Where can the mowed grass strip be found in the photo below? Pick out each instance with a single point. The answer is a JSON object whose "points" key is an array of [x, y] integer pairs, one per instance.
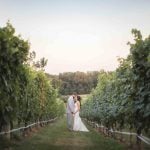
{"points": [[55, 136]]}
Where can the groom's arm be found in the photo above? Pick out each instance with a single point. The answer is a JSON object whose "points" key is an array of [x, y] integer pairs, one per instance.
{"points": [[71, 106], [70, 109]]}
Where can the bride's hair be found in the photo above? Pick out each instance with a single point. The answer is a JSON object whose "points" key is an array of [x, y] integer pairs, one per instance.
{"points": [[79, 99]]}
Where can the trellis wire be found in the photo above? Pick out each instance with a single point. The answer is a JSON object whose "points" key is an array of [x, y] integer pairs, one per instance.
{"points": [[21, 128], [141, 137]]}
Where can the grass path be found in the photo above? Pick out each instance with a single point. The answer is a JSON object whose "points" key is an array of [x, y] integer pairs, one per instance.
{"points": [[55, 136]]}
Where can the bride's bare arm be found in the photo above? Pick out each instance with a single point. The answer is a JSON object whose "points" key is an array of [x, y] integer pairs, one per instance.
{"points": [[78, 104]]}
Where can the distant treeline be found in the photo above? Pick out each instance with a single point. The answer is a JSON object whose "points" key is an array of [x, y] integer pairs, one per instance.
{"points": [[79, 82]]}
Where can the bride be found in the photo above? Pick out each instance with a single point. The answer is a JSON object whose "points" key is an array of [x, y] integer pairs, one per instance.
{"points": [[78, 124]]}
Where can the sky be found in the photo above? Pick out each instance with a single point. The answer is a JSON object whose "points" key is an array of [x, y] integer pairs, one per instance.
{"points": [[77, 35]]}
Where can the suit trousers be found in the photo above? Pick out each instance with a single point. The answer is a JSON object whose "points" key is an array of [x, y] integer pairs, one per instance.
{"points": [[70, 121]]}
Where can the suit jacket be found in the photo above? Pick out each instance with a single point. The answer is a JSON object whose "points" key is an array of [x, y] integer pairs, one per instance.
{"points": [[70, 105]]}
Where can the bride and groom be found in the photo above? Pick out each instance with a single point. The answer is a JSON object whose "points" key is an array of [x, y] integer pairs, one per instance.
{"points": [[74, 121]]}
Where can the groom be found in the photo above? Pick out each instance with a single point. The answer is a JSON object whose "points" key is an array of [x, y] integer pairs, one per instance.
{"points": [[70, 110]]}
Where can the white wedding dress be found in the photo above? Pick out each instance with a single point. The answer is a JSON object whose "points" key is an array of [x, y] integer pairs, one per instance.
{"points": [[78, 124]]}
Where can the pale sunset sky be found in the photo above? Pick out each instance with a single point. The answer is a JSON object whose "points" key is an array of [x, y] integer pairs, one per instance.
{"points": [[77, 35]]}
